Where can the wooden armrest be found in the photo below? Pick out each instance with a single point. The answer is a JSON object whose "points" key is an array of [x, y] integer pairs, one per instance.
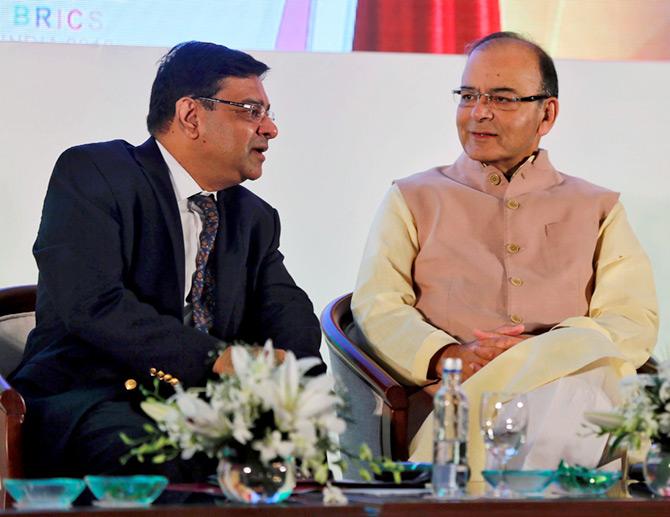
{"points": [[335, 317], [18, 299], [650, 366], [12, 414]]}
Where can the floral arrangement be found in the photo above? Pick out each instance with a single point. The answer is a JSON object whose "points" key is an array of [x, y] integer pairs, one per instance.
{"points": [[644, 413], [263, 413]]}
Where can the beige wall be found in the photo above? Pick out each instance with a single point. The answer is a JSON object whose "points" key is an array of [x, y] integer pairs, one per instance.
{"points": [[349, 124]]}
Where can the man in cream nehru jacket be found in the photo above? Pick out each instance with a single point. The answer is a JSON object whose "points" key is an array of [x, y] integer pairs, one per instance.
{"points": [[532, 277]]}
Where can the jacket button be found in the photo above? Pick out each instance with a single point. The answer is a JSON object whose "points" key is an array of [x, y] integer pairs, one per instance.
{"points": [[494, 179], [516, 319], [512, 248], [512, 204], [516, 282], [130, 384]]}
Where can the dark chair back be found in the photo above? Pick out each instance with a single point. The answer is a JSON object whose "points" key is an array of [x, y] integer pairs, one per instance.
{"points": [[384, 412], [17, 318]]}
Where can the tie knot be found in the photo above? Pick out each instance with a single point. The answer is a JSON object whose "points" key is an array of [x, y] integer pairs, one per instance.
{"points": [[204, 202]]}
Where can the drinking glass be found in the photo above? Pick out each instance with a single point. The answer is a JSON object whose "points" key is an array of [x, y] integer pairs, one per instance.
{"points": [[503, 422]]}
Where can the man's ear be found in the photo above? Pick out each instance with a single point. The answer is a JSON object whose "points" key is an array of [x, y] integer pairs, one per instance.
{"points": [[187, 117], [549, 114]]}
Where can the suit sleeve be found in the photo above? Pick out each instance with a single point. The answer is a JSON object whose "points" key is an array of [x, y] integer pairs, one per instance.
{"points": [[283, 312], [83, 266]]}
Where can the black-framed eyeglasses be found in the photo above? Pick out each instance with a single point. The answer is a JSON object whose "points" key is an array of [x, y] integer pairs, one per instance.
{"points": [[257, 112], [469, 98]]}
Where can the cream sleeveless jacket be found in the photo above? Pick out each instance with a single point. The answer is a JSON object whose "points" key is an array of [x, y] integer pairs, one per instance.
{"points": [[493, 252]]}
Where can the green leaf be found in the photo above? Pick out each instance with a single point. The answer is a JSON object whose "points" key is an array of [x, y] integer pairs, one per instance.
{"points": [[126, 439], [321, 474], [389, 464], [365, 474], [149, 428], [365, 453]]}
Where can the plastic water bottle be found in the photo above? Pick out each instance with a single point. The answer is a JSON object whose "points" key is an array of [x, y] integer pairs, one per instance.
{"points": [[450, 469]]}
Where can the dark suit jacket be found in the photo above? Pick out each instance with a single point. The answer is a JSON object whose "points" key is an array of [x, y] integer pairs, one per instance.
{"points": [[111, 281]]}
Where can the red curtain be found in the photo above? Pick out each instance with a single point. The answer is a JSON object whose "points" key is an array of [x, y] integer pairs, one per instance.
{"points": [[432, 26]]}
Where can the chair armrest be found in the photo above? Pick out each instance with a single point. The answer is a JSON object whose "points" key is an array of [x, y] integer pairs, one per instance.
{"points": [[12, 414], [17, 299], [333, 318], [650, 366]]}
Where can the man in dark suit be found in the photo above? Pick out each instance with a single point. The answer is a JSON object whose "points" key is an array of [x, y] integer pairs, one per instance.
{"points": [[151, 257]]}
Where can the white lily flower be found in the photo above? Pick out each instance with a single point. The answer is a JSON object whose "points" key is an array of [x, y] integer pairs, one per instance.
{"points": [[604, 420], [664, 370], [268, 410], [241, 431], [241, 360], [272, 446], [664, 391], [158, 411], [333, 495], [268, 354], [332, 423], [664, 423], [307, 363]]}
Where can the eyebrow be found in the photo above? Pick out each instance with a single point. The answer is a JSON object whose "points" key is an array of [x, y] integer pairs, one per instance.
{"points": [[500, 89]]}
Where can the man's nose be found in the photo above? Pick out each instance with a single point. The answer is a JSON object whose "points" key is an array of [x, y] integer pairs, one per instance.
{"points": [[268, 128], [482, 108]]}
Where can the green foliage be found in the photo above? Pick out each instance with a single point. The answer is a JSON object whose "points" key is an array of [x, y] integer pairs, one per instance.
{"points": [[378, 466]]}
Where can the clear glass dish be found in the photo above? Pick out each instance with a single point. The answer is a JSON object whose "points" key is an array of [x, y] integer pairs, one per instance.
{"points": [[123, 491], [525, 482], [582, 481], [44, 493]]}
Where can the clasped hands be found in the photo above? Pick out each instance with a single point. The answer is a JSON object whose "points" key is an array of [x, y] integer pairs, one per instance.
{"points": [[486, 346], [224, 363]]}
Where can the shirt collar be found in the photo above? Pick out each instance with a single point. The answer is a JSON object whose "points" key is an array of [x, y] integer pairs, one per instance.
{"points": [[183, 184], [535, 173]]}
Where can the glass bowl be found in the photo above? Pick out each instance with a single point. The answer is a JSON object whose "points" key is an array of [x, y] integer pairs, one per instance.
{"points": [[118, 491], [582, 481], [526, 482], [44, 493]]}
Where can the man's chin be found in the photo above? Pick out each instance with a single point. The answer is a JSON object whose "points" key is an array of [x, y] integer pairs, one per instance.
{"points": [[253, 175], [479, 155]]}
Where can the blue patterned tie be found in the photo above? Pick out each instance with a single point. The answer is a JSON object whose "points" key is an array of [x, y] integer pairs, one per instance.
{"points": [[202, 289]]}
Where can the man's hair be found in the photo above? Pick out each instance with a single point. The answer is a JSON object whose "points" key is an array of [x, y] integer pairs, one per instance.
{"points": [[544, 61], [194, 69]]}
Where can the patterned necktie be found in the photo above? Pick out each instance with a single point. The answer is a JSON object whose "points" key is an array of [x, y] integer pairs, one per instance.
{"points": [[202, 289]]}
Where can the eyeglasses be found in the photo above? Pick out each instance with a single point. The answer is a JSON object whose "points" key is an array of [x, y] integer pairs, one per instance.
{"points": [[469, 98], [257, 112]]}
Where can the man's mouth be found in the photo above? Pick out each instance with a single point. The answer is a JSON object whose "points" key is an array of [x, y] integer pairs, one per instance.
{"points": [[259, 151], [483, 134]]}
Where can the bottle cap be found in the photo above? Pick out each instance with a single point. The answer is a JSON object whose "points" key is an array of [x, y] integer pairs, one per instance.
{"points": [[452, 364]]}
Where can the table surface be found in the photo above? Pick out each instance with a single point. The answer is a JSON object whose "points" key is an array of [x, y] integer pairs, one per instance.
{"points": [[309, 504]]}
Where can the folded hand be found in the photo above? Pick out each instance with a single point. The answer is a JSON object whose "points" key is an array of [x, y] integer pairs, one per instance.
{"points": [[486, 346]]}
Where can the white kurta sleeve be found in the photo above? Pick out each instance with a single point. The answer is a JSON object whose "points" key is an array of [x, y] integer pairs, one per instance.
{"points": [[384, 299], [623, 306]]}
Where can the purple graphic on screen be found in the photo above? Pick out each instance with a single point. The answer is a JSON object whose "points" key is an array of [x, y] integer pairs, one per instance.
{"points": [[294, 26]]}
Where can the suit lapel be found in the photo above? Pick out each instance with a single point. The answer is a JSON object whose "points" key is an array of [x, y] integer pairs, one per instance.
{"points": [[228, 263], [158, 175]]}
